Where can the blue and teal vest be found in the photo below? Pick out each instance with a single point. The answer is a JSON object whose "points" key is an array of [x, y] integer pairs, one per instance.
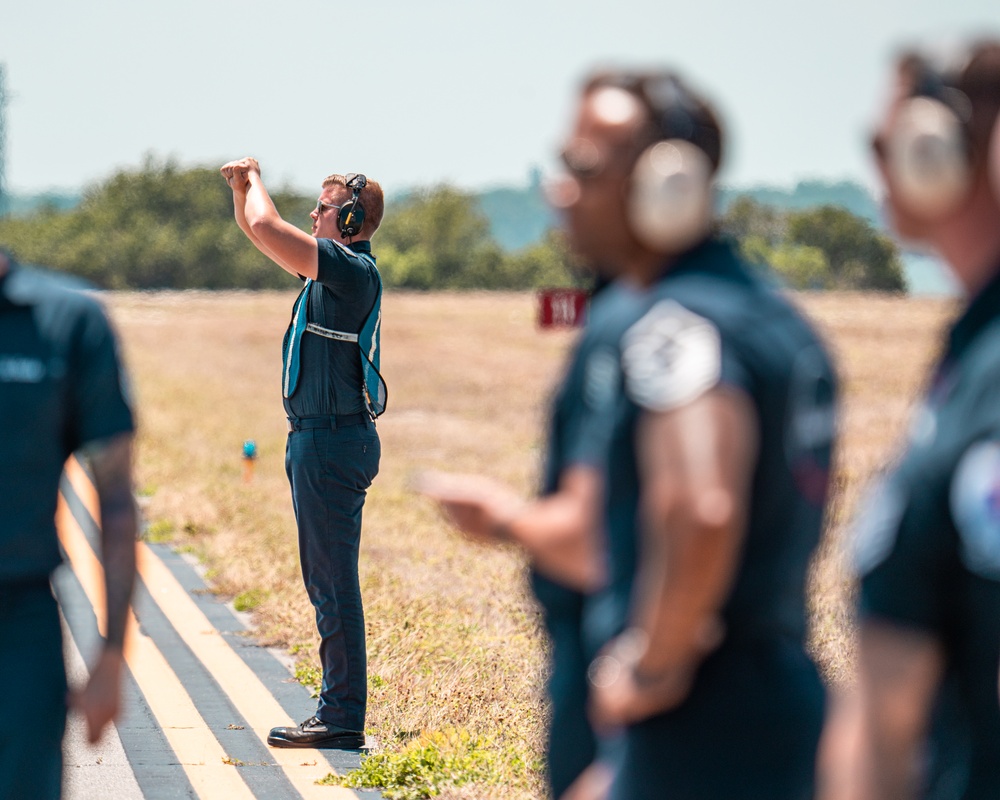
{"points": [[367, 340]]}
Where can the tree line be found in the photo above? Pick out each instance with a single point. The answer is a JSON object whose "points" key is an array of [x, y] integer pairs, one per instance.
{"points": [[159, 226]]}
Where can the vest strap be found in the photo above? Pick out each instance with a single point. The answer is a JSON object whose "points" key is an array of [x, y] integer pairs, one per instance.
{"points": [[339, 336]]}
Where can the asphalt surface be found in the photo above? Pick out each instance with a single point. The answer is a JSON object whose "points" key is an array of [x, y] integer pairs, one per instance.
{"points": [[200, 693]]}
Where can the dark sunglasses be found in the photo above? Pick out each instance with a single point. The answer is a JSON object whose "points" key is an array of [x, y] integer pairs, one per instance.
{"points": [[582, 159], [321, 207]]}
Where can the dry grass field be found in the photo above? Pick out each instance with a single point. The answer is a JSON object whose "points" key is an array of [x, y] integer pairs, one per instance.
{"points": [[453, 637]]}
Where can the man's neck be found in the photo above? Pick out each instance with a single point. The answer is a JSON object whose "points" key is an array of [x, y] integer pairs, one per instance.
{"points": [[643, 267], [970, 244]]}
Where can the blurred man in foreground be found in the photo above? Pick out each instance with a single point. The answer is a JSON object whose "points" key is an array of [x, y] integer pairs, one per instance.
{"points": [[712, 409], [60, 392], [927, 719]]}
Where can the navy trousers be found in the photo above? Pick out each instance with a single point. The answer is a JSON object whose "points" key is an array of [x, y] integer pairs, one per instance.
{"points": [[749, 730], [572, 743], [330, 470], [33, 677]]}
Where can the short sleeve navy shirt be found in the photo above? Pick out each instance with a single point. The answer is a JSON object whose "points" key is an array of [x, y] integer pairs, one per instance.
{"points": [[345, 290], [61, 387], [712, 321], [580, 412], [928, 548], [580, 424]]}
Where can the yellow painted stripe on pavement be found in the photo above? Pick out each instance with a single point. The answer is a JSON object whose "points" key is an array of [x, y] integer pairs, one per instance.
{"points": [[240, 683], [250, 697], [84, 488], [196, 748]]}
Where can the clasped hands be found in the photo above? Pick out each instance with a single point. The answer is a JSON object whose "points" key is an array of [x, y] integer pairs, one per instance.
{"points": [[237, 173]]}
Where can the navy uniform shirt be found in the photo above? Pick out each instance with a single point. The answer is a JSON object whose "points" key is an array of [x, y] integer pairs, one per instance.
{"points": [[581, 402], [345, 290], [60, 388], [929, 549], [751, 722]]}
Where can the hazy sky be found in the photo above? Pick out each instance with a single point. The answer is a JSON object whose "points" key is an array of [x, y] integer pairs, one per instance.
{"points": [[415, 93]]}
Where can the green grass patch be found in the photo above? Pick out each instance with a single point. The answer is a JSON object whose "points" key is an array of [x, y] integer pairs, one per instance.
{"points": [[309, 675], [249, 600], [429, 764], [159, 531]]}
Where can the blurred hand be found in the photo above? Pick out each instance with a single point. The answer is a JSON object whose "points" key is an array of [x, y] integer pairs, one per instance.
{"points": [[100, 700], [481, 508], [619, 697], [594, 783]]}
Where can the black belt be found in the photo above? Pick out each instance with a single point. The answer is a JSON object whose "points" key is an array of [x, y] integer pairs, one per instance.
{"points": [[332, 421]]}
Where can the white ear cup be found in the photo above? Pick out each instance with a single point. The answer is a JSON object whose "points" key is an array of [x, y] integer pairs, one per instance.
{"points": [[927, 158], [994, 158], [670, 198]]}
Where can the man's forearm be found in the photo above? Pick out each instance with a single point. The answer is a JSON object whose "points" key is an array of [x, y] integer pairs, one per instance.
{"points": [[111, 462], [239, 210], [697, 463], [118, 536], [561, 542], [681, 590], [259, 209]]}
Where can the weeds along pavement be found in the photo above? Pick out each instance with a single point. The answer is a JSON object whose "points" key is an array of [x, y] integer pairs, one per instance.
{"points": [[456, 658]]}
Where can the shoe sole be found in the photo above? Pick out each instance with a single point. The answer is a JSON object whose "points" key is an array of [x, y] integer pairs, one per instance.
{"points": [[333, 743]]}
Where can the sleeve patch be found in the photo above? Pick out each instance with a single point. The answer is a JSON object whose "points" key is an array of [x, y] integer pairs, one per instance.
{"points": [[670, 357], [975, 508], [600, 382], [877, 525]]}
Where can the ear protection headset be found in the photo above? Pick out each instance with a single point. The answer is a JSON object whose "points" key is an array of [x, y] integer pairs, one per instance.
{"points": [[994, 157], [669, 204], [351, 218], [927, 152]]}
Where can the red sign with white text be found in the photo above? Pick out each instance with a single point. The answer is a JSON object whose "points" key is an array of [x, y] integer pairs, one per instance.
{"points": [[562, 308]]}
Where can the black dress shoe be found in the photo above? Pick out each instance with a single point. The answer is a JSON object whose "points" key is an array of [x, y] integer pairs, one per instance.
{"points": [[316, 733]]}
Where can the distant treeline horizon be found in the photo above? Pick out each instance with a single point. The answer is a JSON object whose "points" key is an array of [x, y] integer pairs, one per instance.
{"points": [[163, 226], [519, 215]]}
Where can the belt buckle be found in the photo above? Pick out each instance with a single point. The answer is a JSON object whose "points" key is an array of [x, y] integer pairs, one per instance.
{"points": [[290, 424]]}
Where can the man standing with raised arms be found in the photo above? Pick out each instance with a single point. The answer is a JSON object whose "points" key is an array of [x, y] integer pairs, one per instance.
{"points": [[332, 394]]}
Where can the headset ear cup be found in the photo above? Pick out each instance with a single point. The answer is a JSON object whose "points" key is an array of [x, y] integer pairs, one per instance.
{"points": [[928, 159], [994, 159], [351, 218], [669, 204]]}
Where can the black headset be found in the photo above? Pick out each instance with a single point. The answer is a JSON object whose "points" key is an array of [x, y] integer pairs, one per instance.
{"points": [[351, 218], [927, 153]]}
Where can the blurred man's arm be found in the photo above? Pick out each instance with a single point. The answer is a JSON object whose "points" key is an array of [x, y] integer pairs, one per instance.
{"points": [[111, 463], [696, 464], [290, 248], [559, 532], [899, 672]]}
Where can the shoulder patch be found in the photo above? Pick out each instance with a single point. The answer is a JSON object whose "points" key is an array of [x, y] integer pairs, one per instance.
{"points": [[670, 357], [876, 526], [601, 379], [975, 508]]}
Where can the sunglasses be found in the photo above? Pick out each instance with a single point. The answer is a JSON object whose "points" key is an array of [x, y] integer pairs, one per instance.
{"points": [[584, 161], [321, 207]]}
